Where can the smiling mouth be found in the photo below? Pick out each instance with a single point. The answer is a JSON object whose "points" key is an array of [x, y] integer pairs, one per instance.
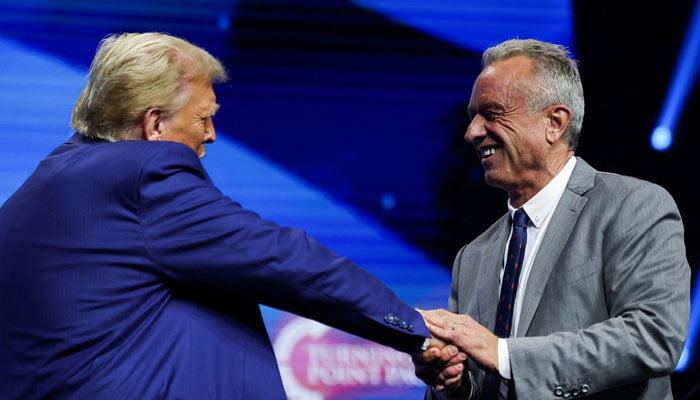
{"points": [[486, 153]]}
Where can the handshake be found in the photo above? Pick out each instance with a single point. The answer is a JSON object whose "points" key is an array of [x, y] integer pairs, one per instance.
{"points": [[456, 338]]}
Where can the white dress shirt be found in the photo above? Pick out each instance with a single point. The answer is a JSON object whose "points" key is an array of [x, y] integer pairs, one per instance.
{"points": [[539, 209]]}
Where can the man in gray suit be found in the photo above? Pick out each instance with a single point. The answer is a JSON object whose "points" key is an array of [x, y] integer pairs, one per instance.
{"points": [[602, 302]]}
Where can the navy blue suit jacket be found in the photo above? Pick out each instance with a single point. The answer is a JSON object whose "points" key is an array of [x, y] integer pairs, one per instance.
{"points": [[126, 274]]}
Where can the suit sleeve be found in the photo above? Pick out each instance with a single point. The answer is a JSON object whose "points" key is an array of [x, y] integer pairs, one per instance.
{"points": [[645, 279], [197, 237]]}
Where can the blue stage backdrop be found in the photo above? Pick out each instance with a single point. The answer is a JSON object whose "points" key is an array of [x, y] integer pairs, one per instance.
{"points": [[344, 118]]}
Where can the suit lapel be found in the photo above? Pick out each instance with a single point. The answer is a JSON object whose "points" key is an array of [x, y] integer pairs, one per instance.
{"points": [[488, 278], [558, 232]]}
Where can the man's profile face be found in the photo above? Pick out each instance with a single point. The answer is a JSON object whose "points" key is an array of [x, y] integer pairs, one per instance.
{"points": [[509, 138], [193, 125]]}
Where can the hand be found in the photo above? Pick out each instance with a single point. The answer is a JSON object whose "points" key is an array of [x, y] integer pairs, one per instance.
{"points": [[462, 331], [441, 365]]}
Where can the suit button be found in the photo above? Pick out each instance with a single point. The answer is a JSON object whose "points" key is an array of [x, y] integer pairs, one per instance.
{"points": [[575, 392], [584, 388], [403, 324], [567, 395], [410, 328], [389, 319], [558, 391]]}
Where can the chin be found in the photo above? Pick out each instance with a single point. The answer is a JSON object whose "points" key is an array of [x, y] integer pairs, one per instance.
{"points": [[492, 180]]}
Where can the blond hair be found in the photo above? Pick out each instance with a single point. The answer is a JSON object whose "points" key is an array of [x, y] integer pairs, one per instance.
{"points": [[133, 72]]}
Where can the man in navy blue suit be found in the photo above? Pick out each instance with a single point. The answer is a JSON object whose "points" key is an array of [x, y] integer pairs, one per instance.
{"points": [[126, 274]]}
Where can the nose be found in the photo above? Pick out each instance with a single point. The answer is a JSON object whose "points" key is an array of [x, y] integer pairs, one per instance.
{"points": [[475, 130], [210, 135]]}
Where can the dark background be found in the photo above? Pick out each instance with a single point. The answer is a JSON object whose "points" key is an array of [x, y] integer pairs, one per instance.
{"points": [[373, 112]]}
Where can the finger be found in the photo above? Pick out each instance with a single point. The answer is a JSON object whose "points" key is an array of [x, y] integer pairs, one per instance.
{"points": [[433, 315], [440, 332], [428, 365], [441, 318], [449, 377], [451, 355], [428, 356], [454, 382], [458, 358], [439, 353]]}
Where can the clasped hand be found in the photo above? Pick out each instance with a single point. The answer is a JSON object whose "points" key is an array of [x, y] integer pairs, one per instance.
{"points": [[456, 337]]}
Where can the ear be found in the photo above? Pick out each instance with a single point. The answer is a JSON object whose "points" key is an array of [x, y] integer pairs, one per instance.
{"points": [[557, 119], [152, 124]]}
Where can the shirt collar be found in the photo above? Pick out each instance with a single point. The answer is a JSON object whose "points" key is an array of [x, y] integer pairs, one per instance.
{"points": [[542, 204]]}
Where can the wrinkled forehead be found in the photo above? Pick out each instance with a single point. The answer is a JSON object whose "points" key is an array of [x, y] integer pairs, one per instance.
{"points": [[503, 79], [509, 71]]}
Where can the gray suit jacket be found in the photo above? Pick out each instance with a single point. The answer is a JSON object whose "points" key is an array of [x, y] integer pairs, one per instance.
{"points": [[607, 302]]}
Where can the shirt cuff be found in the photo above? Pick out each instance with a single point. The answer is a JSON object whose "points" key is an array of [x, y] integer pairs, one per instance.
{"points": [[503, 359]]}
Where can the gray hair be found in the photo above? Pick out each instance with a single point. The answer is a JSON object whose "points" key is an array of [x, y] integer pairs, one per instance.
{"points": [[557, 78], [133, 72]]}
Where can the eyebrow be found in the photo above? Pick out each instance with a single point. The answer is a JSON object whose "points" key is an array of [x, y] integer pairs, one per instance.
{"points": [[214, 108]]}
